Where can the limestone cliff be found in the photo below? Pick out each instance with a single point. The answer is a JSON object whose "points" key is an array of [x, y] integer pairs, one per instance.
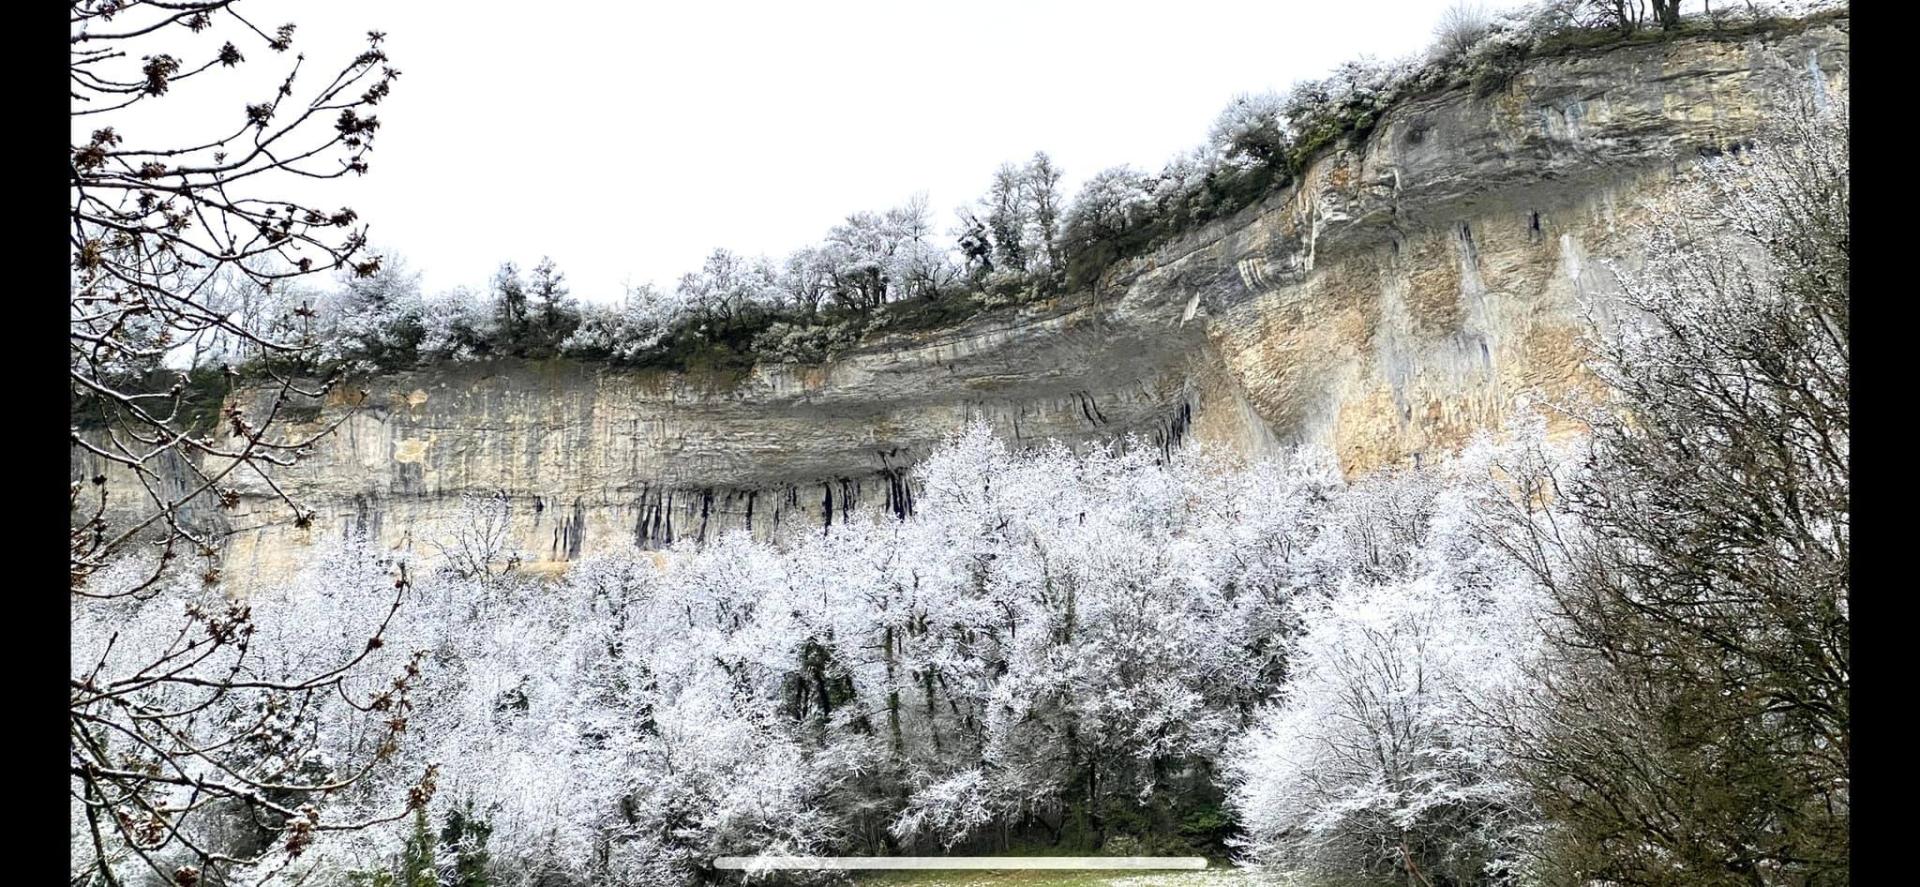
{"points": [[1401, 294]]}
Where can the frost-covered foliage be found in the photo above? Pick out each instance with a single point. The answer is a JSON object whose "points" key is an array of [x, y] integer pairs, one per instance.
{"points": [[1385, 755], [1350, 100], [1010, 241], [457, 325], [259, 739], [1374, 758], [625, 332], [376, 321], [727, 288], [1057, 648], [729, 311], [1461, 26], [474, 542], [1251, 130], [1113, 216], [876, 258]]}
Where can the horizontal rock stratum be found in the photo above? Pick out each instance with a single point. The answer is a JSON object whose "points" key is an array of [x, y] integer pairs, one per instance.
{"points": [[1399, 295]]}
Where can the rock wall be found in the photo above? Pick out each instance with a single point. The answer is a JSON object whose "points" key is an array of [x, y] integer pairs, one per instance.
{"points": [[1420, 287], [595, 459], [1402, 294]]}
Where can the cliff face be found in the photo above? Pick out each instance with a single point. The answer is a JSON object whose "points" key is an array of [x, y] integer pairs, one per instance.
{"points": [[1404, 293], [1411, 292]]}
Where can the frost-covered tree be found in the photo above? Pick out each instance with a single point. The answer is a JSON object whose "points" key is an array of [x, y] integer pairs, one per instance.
{"points": [[554, 312], [456, 325], [476, 540], [863, 267], [1006, 209], [509, 294], [628, 331], [922, 264], [877, 258], [1350, 100], [1251, 130], [1380, 761], [1373, 766], [1011, 240], [1042, 235], [1694, 726], [975, 242], [727, 289], [532, 316], [190, 760], [807, 280], [1461, 27], [1112, 216], [378, 320]]}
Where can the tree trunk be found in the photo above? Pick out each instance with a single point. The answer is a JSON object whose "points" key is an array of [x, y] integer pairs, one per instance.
{"points": [[1667, 12], [893, 700]]}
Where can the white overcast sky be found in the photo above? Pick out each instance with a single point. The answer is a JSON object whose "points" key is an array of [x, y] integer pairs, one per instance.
{"points": [[627, 140]]}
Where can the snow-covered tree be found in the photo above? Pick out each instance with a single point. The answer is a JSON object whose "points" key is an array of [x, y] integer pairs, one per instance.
{"points": [[377, 321], [1385, 754], [877, 258], [627, 331], [1376, 763], [1112, 216], [1251, 130], [189, 761], [508, 292], [476, 540], [807, 280], [457, 326], [727, 288], [1461, 27], [1006, 208], [1044, 209], [1350, 99], [554, 312]]}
